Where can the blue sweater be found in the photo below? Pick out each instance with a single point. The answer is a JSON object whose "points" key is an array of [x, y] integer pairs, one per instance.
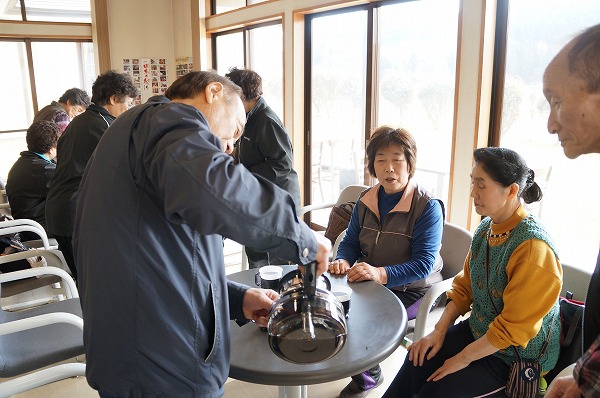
{"points": [[426, 237]]}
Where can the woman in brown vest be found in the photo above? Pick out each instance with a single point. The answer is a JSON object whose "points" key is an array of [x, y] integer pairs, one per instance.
{"points": [[394, 235]]}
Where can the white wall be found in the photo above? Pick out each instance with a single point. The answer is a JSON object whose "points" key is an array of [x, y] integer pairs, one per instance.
{"points": [[143, 29]]}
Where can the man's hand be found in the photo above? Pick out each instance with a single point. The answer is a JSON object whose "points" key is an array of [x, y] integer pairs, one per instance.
{"points": [[256, 304]]}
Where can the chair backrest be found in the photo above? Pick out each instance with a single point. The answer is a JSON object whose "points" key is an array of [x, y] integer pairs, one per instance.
{"points": [[350, 193], [576, 281], [337, 242], [25, 225], [54, 271], [456, 242]]}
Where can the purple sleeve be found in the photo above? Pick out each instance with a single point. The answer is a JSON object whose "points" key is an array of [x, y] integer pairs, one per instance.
{"points": [[62, 120]]}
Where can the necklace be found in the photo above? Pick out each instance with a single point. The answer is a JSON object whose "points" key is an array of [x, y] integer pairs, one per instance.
{"points": [[498, 236]]}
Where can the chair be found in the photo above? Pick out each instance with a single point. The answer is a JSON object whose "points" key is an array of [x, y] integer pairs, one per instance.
{"points": [[336, 244], [27, 225], [456, 242], [4, 205], [576, 281], [54, 259], [348, 194], [39, 337]]}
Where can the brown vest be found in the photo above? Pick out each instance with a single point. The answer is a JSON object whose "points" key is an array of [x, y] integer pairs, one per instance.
{"points": [[390, 242]]}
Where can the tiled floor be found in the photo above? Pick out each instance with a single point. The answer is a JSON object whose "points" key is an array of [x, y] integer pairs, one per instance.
{"points": [[78, 387]]}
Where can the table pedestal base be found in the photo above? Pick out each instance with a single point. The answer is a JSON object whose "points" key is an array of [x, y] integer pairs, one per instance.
{"points": [[293, 392]]}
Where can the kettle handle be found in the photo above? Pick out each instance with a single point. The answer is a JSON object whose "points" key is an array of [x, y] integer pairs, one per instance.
{"points": [[310, 278]]}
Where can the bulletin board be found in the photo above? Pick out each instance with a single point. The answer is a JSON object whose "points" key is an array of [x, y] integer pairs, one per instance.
{"points": [[149, 76]]}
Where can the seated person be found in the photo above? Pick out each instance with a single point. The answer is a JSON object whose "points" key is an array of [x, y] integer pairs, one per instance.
{"points": [[394, 235], [511, 282], [29, 178], [73, 102]]}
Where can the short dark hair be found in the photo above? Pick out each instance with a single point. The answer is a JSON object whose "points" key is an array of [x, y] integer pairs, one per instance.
{"points": [[76, 96], [249, 81], [42, 136], [507, 167], [383, 137], [113, 83], [192, 84], [584, 58]]}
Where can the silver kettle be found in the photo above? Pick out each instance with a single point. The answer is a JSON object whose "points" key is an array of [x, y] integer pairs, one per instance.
{"points": [[307, 322]]}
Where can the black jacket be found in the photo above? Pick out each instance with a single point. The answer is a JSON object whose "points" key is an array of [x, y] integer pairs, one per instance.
{"points": [[75, 147], [27, 188], [266, 150]]}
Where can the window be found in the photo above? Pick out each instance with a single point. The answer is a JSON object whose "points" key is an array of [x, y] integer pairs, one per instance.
{"points": [[337, 104], [569, 207], [220, 6], [47, 10], [259, 48], [414, 64], [229, 51], [16, 109], [57, 66], [417, 69], [266, 58]]}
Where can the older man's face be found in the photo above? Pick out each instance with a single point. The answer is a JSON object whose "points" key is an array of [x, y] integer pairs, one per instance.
{"points": [[227, 121], [574, 113]]}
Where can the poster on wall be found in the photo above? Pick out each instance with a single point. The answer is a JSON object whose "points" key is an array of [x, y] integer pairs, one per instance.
{"points": [[149, 76], [183, 65]]}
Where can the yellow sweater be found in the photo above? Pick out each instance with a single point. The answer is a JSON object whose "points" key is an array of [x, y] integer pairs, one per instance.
{"points": [[534, 283]]}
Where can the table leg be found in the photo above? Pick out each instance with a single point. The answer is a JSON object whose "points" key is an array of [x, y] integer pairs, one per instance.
{"points": [[293, 392]]}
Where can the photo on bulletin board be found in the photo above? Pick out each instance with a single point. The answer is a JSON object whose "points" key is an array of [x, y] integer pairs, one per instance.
{"points": [[149, 75], [183, 65]]}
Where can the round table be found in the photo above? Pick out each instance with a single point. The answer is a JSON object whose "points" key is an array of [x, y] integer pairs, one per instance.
{"points": [[376, 325]]}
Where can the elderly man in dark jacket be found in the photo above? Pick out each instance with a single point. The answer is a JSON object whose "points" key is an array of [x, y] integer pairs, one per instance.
{"points": [[155, 202], [265, 148]]}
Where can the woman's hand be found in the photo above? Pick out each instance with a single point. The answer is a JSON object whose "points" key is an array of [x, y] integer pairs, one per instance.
{"points": [[426, 347], [339, 267], [451, 365], [365, 272]]}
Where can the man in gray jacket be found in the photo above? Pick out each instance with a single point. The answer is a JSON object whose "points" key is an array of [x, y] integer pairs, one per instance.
{"points": [[155, 202]]}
